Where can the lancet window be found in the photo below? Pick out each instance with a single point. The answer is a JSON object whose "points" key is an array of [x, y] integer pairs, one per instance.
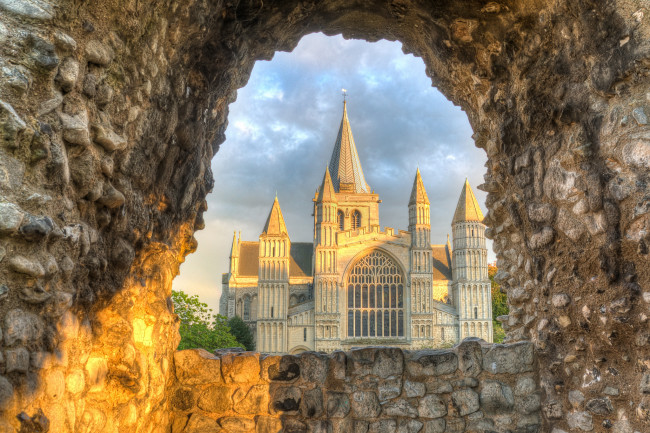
{"points": [[375, 298], [340, 219], [356, 220]]}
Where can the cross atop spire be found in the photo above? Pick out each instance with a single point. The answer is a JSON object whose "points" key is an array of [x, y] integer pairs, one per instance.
{"points": [[275, 221], [345, 166], [467, 208], [418, 193]]}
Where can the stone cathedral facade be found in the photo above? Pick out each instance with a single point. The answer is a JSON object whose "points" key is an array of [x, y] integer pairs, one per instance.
{"points": [[357, 284]]}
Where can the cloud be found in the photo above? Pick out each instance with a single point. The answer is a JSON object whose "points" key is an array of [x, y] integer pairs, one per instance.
{"points": [[282, 130]]}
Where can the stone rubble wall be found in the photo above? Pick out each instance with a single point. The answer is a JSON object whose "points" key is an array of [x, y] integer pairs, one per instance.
{"points": [[473, 387]]}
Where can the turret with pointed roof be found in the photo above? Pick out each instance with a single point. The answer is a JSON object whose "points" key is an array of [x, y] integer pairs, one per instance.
{"points": [[275, 221], [326, 191], [418, 193], [467, 208], [345, 166]]}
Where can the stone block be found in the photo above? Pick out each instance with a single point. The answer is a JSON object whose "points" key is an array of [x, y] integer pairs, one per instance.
{"points": [[496, 397], [320, 426], [390, 388], [580, 420], [576, 398], [267, 424], [338, 404], [383, 426], [528, 404], [465, 401], [285, 399], [197, 367], [414, 389], [432, 406], [23, 265], [236, 424], [55, 384], [313, 367], [438, 387], [378, 361], [432, 363], [312, 403], [75, 128], [435, 426], [509, 358], [254, 400], [99, 53], [409, 426], [217, 399], [365, 404], [600, 406], [470, 358], [17, 360], [281, 368], [97, 369], [184, 399], [22, 327], [68, 74], [11, 216], [455, 425], [399, 408], [292, 425], [525, 385], [6, 393]]}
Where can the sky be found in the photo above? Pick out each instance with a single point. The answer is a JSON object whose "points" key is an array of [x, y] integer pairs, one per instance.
{"points": [[280, 136]]}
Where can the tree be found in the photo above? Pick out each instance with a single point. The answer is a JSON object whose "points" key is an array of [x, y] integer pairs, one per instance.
{"points": [[199, 327], [242, 332], [499, 305]]}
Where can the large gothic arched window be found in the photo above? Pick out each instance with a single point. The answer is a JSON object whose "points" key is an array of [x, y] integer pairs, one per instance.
{"points": [[375, 297]]}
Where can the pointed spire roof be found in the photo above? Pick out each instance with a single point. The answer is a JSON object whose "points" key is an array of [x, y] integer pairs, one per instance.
{"points": [[345, 166], [275, 221], [467, 208], [234, 249], [326, 191], [418, 193]]}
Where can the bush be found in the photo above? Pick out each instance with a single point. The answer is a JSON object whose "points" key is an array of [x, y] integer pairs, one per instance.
{"points": [[242, 332]]}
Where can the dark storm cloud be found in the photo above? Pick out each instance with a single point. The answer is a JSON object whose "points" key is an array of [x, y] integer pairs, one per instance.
{"points": [[282, 130]]}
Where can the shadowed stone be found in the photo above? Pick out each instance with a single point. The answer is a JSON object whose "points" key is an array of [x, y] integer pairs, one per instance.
{"points": [[365, 404], [432, 406], [496, 397], [399, 407], [267, 424], [234, 424], [470, 358], [312, 403], [286, 399], [513, 358], [313, 367], [432, 363], [338, 404], [465, 401]]}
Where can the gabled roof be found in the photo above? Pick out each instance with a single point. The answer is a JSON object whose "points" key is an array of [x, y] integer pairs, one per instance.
{"points": [[467, 208], [418, 193], [275, 221], [441, 256], [326, 191], [345, 166], [299, 260]]}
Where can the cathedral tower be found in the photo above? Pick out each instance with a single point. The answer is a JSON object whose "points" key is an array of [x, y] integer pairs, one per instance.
{"points": [[420, 229], [469, 264], [273, 286]]}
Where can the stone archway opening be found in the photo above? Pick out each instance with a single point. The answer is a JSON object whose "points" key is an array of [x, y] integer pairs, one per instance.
{"points": [[114, 116]]}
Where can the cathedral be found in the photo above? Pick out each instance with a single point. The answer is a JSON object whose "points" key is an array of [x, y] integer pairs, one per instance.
{"points": [[357, 284]]}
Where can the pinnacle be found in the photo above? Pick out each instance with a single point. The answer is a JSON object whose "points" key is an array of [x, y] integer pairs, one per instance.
{"points": [[467, 208]]}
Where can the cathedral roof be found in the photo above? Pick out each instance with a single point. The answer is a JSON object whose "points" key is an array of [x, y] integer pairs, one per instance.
{"points": [[326, 191], [345, 166], [441, 262], [299, 260], [418, 193], [275, 221], [467, 208]]}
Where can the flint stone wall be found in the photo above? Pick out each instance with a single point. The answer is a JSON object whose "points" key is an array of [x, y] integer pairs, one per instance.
{"points": [[474, 387]]}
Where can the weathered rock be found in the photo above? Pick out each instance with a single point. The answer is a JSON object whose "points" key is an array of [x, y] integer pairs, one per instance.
{"points": [[496, 397], [10, 124], [338, 405], [286, 399], [312, 403], [435, 426], [17, 360], [383, 426], [32, 9], [470, 358], [600, 406], [104, 135], [515, 358], [22, 327], [432, 406], [365, 404], [99, 53], [561, 300], [400, 408], [414, 389], [432, 363], [313, 367], [580, 420], [197, 366], [35, 228], [11, 216], [251, 401], [240, 368], [68, 74], [389, 389], [465, 401], [75, 128], [6, 393], [409, 426]]}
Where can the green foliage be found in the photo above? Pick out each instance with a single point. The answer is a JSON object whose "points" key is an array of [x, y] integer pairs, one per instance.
{"points": [[242, 332], [199, 327], [499, 305]]}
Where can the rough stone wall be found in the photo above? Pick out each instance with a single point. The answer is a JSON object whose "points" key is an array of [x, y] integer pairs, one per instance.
{"points": [[111, 111], [378, 390]]}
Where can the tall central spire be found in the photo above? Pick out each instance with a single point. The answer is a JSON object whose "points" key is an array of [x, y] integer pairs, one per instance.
{"points": [[345, 166]]}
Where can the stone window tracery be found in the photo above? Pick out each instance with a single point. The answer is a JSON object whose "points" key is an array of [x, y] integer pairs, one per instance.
{"points": [[356, 220], [340, 218], [375, 298]]}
